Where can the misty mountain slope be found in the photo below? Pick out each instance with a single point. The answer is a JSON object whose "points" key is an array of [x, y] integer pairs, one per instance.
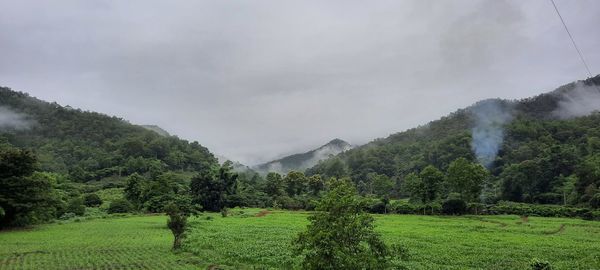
{"points": [[88, 145], [160, 131], [553, 133], [300, 162]]}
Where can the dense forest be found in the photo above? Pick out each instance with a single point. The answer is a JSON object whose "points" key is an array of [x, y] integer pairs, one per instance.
{"points": [[544, 149]]}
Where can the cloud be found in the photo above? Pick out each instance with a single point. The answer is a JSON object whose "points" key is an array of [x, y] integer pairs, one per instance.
{"points": [[257, 80], [579, 101], [11, 120]]}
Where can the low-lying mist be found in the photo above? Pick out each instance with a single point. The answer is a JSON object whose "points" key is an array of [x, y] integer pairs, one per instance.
{"points": [[11, 120]]}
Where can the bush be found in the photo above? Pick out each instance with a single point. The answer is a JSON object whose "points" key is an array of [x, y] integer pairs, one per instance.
{"points": [[119, 206], [92, 200], [454, 207], [76, 206], [66, 216], [537, 264], [402, 207]]}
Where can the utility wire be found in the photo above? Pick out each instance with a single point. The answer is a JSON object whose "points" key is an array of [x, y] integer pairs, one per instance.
{"points": [[572, 40]]}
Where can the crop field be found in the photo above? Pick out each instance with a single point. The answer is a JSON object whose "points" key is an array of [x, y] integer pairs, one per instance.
{"points": [[255, 239]]}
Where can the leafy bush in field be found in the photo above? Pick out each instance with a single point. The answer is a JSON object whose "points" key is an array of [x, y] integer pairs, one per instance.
{"points": [[119, 206], [341, 235], [76, 206], [92, 200], [454, 207], [537, 264]]}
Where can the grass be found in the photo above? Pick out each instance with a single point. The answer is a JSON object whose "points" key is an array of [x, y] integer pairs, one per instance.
{"points": [[141, 242], [245, 241]]}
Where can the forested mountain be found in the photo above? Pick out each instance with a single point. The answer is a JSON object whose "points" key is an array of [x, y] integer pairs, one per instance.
{"points": [[544, 149], [300, 162], [91, 146]]}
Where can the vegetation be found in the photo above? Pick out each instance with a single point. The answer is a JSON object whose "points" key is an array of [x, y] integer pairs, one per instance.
{"points": [[544, 158], [341, 235]]}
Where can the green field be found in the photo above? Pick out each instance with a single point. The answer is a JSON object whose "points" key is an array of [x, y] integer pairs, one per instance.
{"points": [[246, 241]]}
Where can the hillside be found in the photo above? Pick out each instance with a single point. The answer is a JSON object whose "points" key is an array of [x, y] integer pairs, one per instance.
{"points": [[90, 146], [300, 162], [542, 149]]}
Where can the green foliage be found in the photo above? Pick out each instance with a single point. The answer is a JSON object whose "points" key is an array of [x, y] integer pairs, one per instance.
{"points": [[595, 201], [177, 223], [539, 150], [76, 206], [340, 235], [92, 146], [537, 264], [92, 200], [432, 183], [214, 188], [466, 178], [119, 206], [24, 198], [454, 206]]}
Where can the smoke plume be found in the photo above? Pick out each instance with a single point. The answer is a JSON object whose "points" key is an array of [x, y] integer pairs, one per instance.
{"points": [[11, 120], [580, 101], [489, 117]]}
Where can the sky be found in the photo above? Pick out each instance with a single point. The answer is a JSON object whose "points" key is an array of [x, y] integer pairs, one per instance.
{"points": [[256, 80]]}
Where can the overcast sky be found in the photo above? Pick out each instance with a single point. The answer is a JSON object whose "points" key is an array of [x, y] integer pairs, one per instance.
{"points": [[254, 80]]}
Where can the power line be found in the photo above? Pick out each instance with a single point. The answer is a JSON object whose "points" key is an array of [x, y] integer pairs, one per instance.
{"points": [[572, 40]]}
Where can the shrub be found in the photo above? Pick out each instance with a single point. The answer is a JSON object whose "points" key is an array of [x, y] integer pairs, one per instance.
{"points": [[537, 264], [340, 218], [454, 207], [92, 200], [76, 206], [402, 207], [119, 206], [66, 216]]}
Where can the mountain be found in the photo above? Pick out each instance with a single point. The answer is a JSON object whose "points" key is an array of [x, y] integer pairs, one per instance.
{"points": [[300, 162], [535, 147], [91, 146], [156, 129]]}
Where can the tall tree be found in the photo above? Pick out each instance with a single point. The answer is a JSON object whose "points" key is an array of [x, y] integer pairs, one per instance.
{"points": [[24, 199], [432, 182], [212, 187], [466, 178]]}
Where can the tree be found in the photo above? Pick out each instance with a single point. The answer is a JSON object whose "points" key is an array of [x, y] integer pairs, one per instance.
{"points": [[76, 206], [295, 183], [274, 185], [315, 184], [213, 187], [341, 235], [466, 178], [432, 183], [415, 187], [25, 199], [177, 223], [92, 200], [134, 189], [382, 185]]}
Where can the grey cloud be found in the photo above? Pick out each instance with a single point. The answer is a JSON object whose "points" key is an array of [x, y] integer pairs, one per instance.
{"points": [[260, 79]]}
